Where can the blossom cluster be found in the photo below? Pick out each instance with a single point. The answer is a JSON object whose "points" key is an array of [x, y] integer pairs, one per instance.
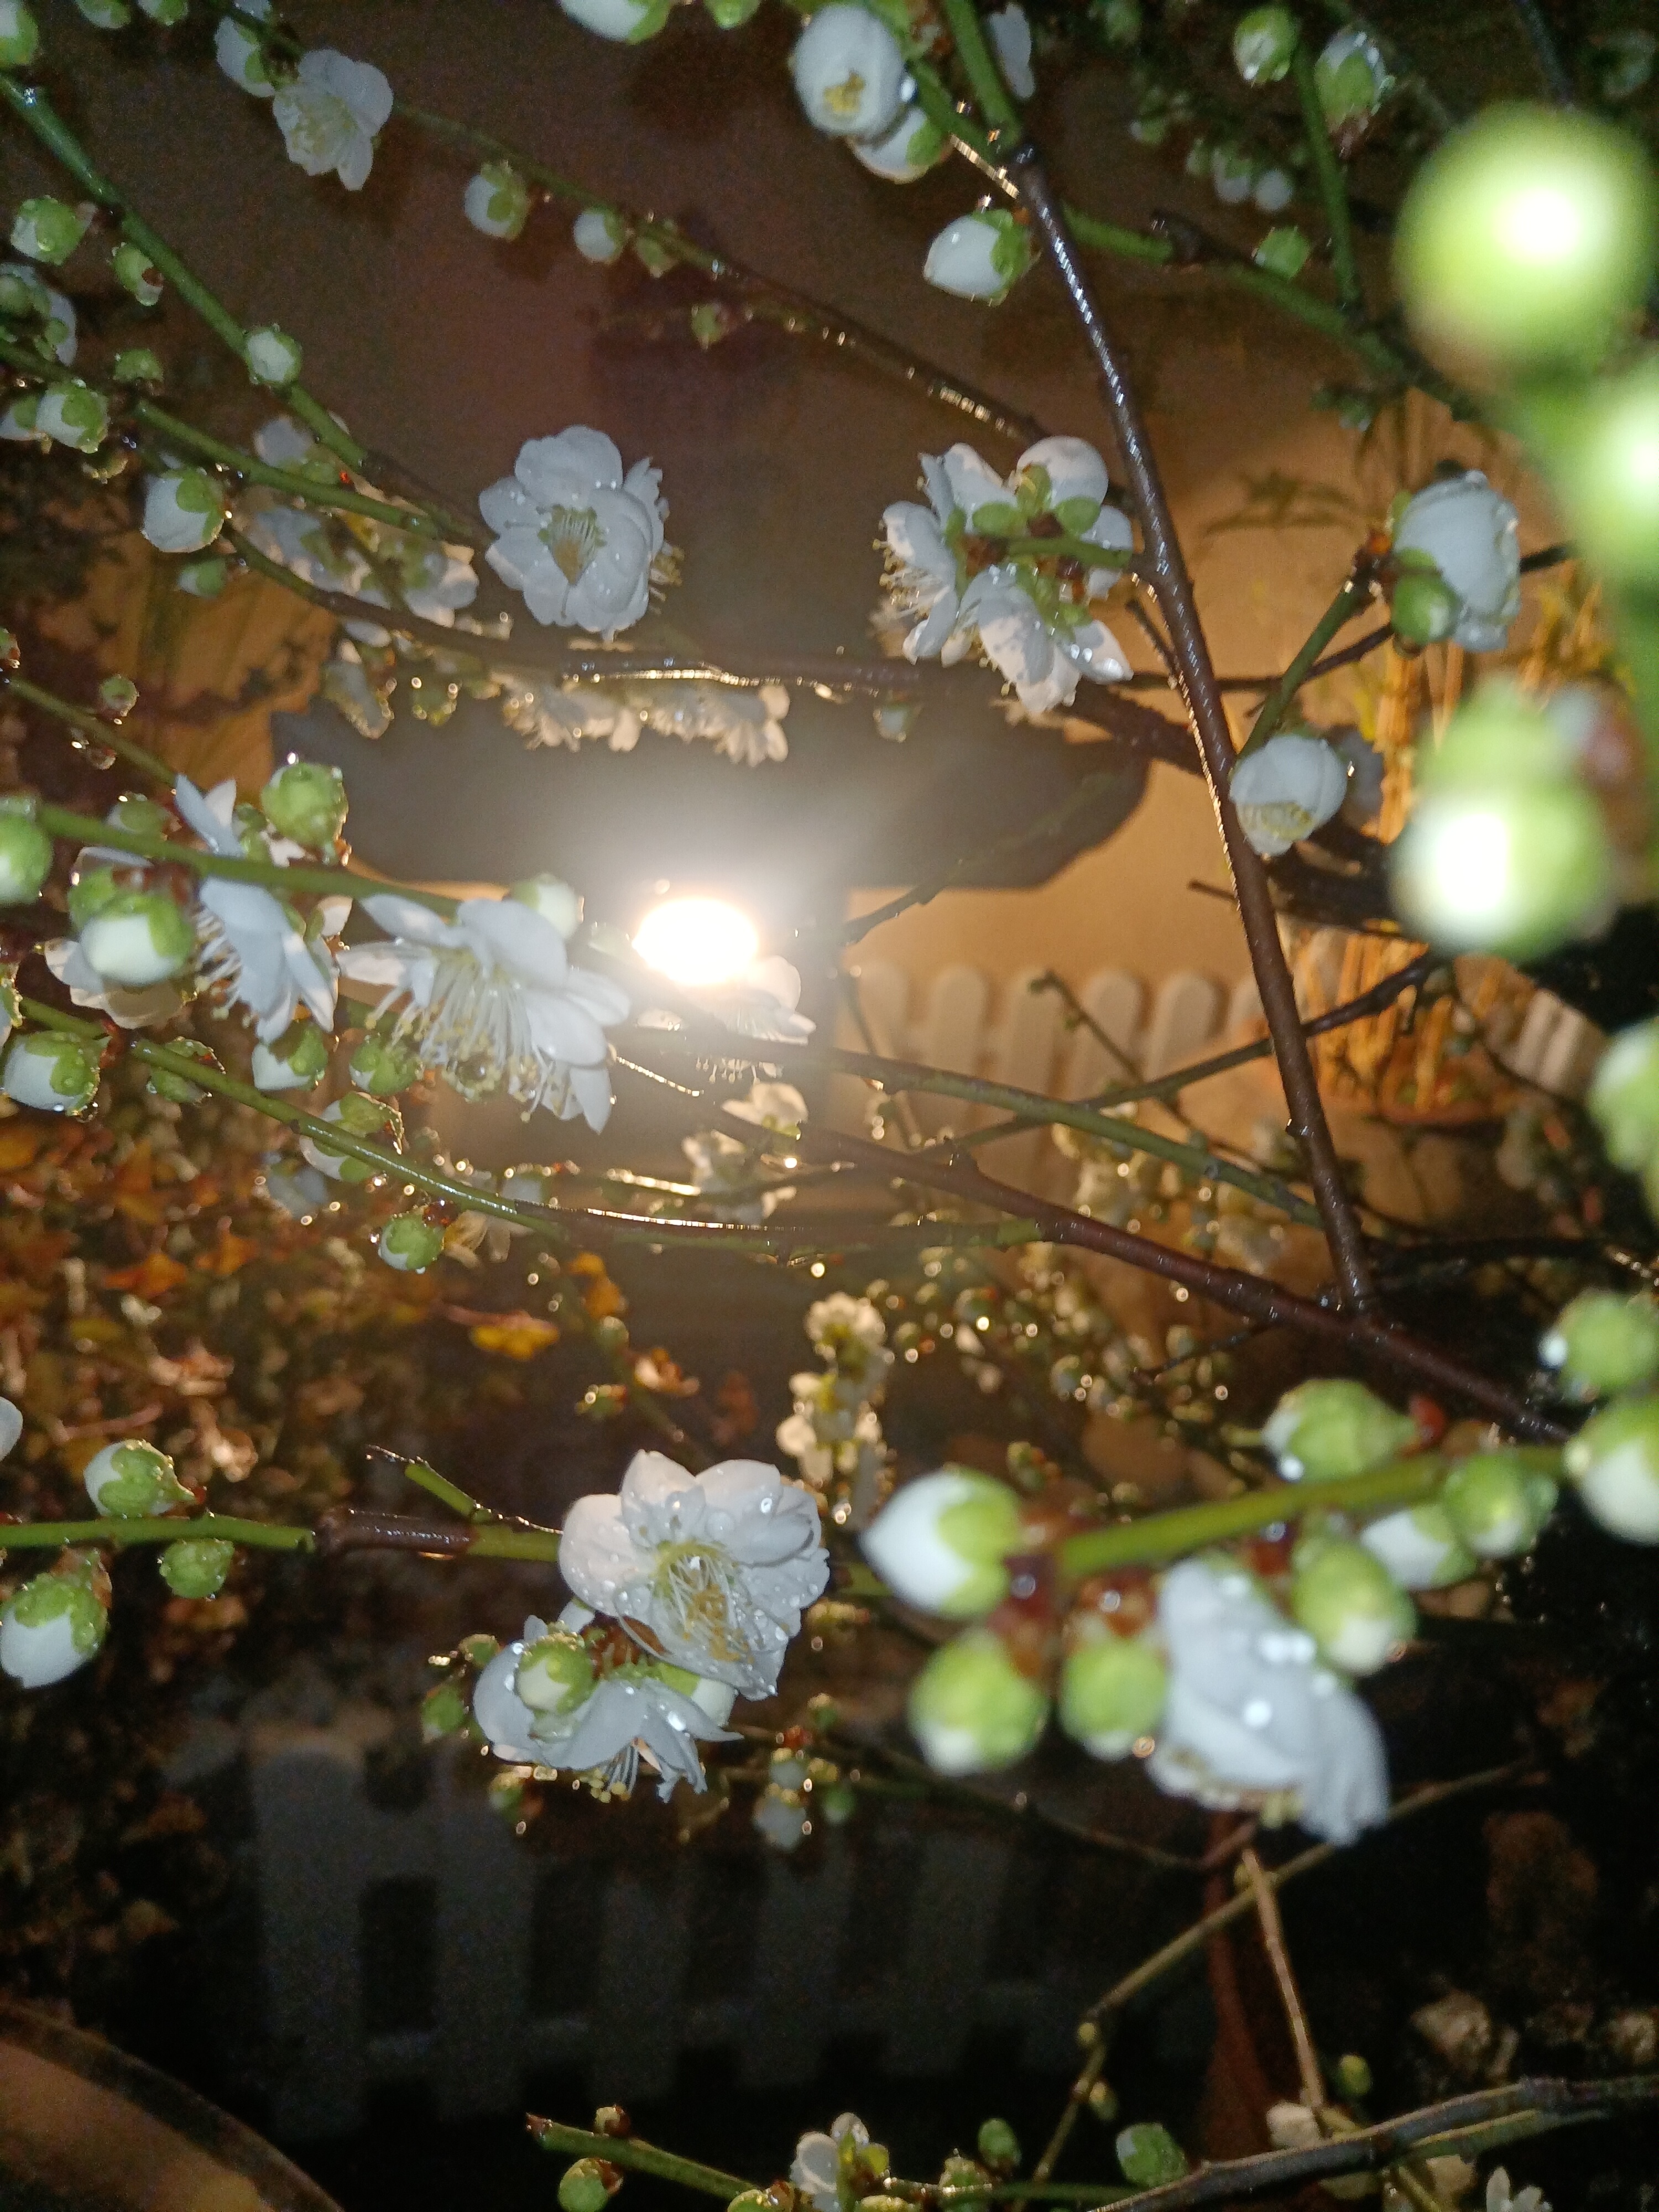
{"points": [[834, 1435]]}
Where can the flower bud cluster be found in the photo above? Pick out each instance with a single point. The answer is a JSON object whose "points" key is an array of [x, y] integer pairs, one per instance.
{"points": [[834, 1435]]}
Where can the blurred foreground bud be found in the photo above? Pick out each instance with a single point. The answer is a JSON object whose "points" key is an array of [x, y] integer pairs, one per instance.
{"points": [[554, 900], [306, 800], [1149, 2154], [1420, 1548], [1112, 1689], [1608, 482], [444, 1711], [130, 1481], [197, 1567], [588, 2185], [628, 21], [25, 855], [1424, 608], [1354, 2075], [1499, 1500], [849, 72], [598, 235], [497, 201], [373, 1120], [1602, 1343], [295, 1063], [1615, 1460], [971, 1709], [1321, 1431], [72, 414], [203, 580], [20, 35], [48, 229], [138, 365], [135, 273], [1527, 239], [273, 357], [55, 1623], [1350, 1604], [1284, 252], [410, 1243], [1263, 42], [939, 1544], [183, 511], [1624, 1098], [999, 2146], [1353, 81], [555, 1674], [56, 1074], [137, 939], [980, 255]]}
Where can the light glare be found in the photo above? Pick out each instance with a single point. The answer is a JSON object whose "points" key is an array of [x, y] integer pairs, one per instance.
{"points": [[697, 941]]}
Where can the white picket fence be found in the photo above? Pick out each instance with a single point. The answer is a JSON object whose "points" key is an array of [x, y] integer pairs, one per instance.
{"points": [[431, 1947]]}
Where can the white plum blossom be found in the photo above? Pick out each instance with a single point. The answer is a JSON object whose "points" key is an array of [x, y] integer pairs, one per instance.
{"points": [[745, 724], [433, 580], [849, 72], [1011, 34], [1286, 789], [712, 1568], [551, 714], [815, 2171], [1472, 535], [763, 1003], [1037, 630], [252, 947], [239, 52], [330, 114], [183, 511], [576, 535], [1252, 1719], [493, 1002], [779, 1108], [907, 149], [599, 236], [628, 21]]}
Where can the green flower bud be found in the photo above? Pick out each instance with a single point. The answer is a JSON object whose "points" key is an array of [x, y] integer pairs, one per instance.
{"points": [[1602, 1343], [198, 1566], [183, 511], [182, 1092], [1350, 1604], [410, 1243], [306, 800], [599, 236], [146, 818], [1284, 252], [732, 15], [25, 856], [138, 365], [1624, 1098], [941, 1541], [1112, 1689], [1149, 2154], [497, 201], [20, 35], [1499, 1500], [1423, 607], [965, 2178], [1323, 1430], [382, 1067], [56, 1074], [554, 900], [118, 696], [1353, 81], [556, 1675], [48, 230], [971, 1709], [1420, 1548], [586, 2186], [91, 890], [134, 273], [1609, 480], [52, 1626], [1615, 1460], [999, 2146], [444, 1711], [137, 939], [273, 357], [203, 580], [72, 414], [1353, 2076], [128, 1481], [1529, 238], [1263, 42], [297, 1059]]}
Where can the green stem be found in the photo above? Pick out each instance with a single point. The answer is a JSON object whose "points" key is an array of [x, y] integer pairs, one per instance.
{"points": [[93, 728], [1350, 601], [942, 108], [1191, 1528], [326, 883], [440, 1486], [31, 106], [983, 74], [254, 470], [1066, 549], [1327, 175], [638, 2157], [269, 1535]]}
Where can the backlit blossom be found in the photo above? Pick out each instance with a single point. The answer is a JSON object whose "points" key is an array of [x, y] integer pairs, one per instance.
{"points": [[330, 114], [1471, 534], [574, 533], [849, 72], [252, 948], [713, 1569], [1286, 789], [493, 1002]]}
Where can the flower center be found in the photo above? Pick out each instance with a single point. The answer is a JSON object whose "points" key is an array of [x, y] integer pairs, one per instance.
{"points": [[697, 1584], [843, 99], [323, 122], [573, 536], [477, 1028]]}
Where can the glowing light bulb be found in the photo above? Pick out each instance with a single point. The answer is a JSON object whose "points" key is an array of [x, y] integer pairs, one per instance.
{"points": [[697, 941]]}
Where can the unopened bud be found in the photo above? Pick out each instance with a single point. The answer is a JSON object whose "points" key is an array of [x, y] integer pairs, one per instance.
{"points": [[599, 236], [556, 1675], [295, 1062], [273, 357], [1324, 1430], [1263, 43], [588, 2185], [1352, 80], [444, 1711], [53, 1625], [183, 511], [371, 1119], [971, 1709], [980, 255], [49, 230], [1350, 1604], [138, 365], [1615, 1460], [1602, 1343], [128, 1481], [1149, 2155], [72, 414], [197, 1567], [497, 200], [134, 273], [1423, 607], [383, 1067], [167, 1083], [999, 2146], [941, 1541], [1284, 252], [1112, 1689], [554, 900], [55, 1074], [1420, 1548], [410, 1243], [20, 35], [137, 939], [25, 855], [306, 800]]}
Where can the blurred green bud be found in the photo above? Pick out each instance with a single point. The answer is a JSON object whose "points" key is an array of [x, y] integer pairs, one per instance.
{"points": [[1624, 1098], [197, 1567], [1423, 607], [1499, 1500], [48, 229], [1608, 482], [1615, 1460], [129, 1481], [134, 273], [554, 900], [1323, 1430], [999, 2146], [205, 579], [382, 1067], [941, 1542], [1602, 1342], [444, 1710], [556, 1675], [964, 2177], [306, 800], [1353, 81], [20, 35], [1350, 1604], [1420, 1548], [1263, 43], [732, 15], [410, 1243], [1353, 2076], [138, 365], [1119, 21], [1112, 1689], [497, 201], [1529, 238], [296, 1060], [1149, 2154], [91, 889], [53, 1073], [273, 357], [1284, 252], [137, 939], [54, 1623], [25, 856], [971, 1709], [146, 818], [588, 2185], [118, 696]]}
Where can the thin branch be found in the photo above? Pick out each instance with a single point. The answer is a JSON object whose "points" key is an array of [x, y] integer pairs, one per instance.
{"points": [[91, 728], [1279, 1958], [1558, 79]]}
